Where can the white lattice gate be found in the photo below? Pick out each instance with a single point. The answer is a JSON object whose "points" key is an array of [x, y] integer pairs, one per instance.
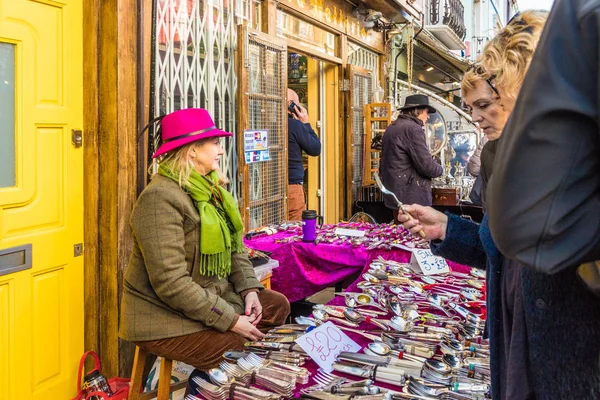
{"points": [[193, 66], [262, 106]]}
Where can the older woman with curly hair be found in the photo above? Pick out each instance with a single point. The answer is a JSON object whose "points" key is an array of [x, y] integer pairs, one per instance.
{"points": [[542, 346]]}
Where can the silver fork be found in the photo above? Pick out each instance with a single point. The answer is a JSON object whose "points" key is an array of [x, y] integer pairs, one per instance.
{"points": [[324, 381], [235, 371]]}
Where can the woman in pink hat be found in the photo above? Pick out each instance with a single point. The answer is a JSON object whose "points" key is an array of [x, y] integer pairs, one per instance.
{"points": [[189, 291]]}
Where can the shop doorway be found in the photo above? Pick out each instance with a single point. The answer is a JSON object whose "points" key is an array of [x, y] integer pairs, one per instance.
{"points": [[309, 77]]}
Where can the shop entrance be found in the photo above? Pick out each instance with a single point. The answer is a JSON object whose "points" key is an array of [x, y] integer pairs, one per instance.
{"points": [[310, 78]]}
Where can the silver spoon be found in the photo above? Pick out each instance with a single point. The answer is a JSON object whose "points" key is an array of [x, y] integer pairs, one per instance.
{"points": [[323, 316], [379, 348], [353, 316], [438, 366], [370, 278], [399, 324], [451, 360], [219, 377], [398, 202]]}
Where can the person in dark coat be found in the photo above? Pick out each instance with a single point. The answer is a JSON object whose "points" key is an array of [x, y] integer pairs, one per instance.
{"points": [[407, 166], [543, 329]]}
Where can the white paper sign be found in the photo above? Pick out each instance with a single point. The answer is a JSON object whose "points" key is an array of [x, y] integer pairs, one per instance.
{"points": [[256, 140], [423, 260], [349, 232], [324, 343], [256, 146]]}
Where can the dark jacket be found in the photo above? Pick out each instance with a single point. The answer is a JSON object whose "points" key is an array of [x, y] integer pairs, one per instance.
{"points": [[563, 329], [300, 137], [548, 217], [164, 294], [406, 164]]}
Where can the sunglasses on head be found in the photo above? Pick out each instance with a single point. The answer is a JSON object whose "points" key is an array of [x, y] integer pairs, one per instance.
{"points": [[478, 69]]}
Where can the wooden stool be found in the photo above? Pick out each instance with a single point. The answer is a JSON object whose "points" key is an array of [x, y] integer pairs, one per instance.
{"points": [[164, 379], [266, 280]]}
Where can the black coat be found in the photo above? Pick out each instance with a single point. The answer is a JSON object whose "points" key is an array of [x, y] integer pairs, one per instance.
{"points": [[548, 216], [406, 164], [562, 318]]}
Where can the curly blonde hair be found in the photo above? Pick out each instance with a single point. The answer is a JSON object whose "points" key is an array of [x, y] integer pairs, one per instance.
{"points": [[506, 58]]}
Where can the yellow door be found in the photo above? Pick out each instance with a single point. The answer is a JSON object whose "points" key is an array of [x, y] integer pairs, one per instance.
{"points": [[41, 198]]}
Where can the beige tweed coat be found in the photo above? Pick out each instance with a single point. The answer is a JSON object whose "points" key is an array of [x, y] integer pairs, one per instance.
{"points": [[164, 295]]}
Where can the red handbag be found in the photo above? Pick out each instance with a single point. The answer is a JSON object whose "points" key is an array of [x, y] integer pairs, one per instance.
{"points": [[119, 386]]}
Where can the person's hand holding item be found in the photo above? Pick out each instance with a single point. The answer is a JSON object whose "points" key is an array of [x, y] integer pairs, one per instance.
{"points": [[245, 327], [253, 307], [301, 114], [427, 219]]}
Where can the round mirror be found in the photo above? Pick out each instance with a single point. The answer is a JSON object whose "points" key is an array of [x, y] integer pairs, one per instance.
{"points": [[435, 130]]}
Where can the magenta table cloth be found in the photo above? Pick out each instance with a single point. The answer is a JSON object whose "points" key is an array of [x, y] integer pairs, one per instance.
{"points": [[306, 268]]}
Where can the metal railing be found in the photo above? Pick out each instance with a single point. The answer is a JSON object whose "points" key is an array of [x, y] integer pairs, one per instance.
{"points": [[453, 15]]}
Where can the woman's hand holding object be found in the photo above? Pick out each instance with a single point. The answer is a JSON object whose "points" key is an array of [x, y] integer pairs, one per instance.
{"points": [[427, 219]]}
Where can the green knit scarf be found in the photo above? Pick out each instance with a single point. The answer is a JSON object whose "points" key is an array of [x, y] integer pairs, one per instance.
{"points": [[220, 221]]}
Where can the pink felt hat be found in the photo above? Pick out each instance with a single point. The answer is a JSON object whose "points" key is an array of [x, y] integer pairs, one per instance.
{"points": [[185, 126]]}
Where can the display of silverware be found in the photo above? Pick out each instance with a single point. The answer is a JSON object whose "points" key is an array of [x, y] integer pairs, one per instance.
{"points": [[424, 339]]}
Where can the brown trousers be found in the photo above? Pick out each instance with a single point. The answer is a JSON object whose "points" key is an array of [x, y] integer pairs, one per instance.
{"points": [[296, 202], [204, 349]]}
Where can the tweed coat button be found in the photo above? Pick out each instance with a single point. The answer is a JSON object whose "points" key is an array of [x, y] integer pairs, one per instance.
{"points": [[540, 303]]}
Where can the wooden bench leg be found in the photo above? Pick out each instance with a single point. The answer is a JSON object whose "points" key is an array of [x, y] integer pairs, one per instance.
{"points": [[164, 379], [136, 376]]}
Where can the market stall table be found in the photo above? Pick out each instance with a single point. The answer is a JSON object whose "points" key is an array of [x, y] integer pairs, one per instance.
{"points": [[397, 255], [461, 275], [306, 268]]}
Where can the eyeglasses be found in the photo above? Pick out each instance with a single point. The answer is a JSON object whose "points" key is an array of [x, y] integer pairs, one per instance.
{"points": [[478, 69]]}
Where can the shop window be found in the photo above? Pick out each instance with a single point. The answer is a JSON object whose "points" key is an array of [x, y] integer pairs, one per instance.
{"points": [[7, 116], [292, 27]]}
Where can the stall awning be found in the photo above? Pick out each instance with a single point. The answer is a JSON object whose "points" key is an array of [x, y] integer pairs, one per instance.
{"points": [[435, 52], [397, 10]]}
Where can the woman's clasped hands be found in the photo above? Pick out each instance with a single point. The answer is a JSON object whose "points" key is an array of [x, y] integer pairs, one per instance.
{"points": [[246, 324]]}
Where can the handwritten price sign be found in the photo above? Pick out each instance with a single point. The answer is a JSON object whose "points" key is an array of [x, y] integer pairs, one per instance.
{"points": [[424, 260], [324, 343]]}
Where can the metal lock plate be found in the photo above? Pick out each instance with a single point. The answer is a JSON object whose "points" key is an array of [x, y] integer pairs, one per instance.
{"points": [[77, 249], [77, 137]]}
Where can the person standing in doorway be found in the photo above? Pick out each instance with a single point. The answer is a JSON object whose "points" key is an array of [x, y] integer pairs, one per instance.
{"points": [[407, 166], [301, 137]]}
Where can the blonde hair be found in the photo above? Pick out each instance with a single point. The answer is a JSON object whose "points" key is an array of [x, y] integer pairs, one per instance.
{"points": [[180, 162], [472, 78], [507, 56]]}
